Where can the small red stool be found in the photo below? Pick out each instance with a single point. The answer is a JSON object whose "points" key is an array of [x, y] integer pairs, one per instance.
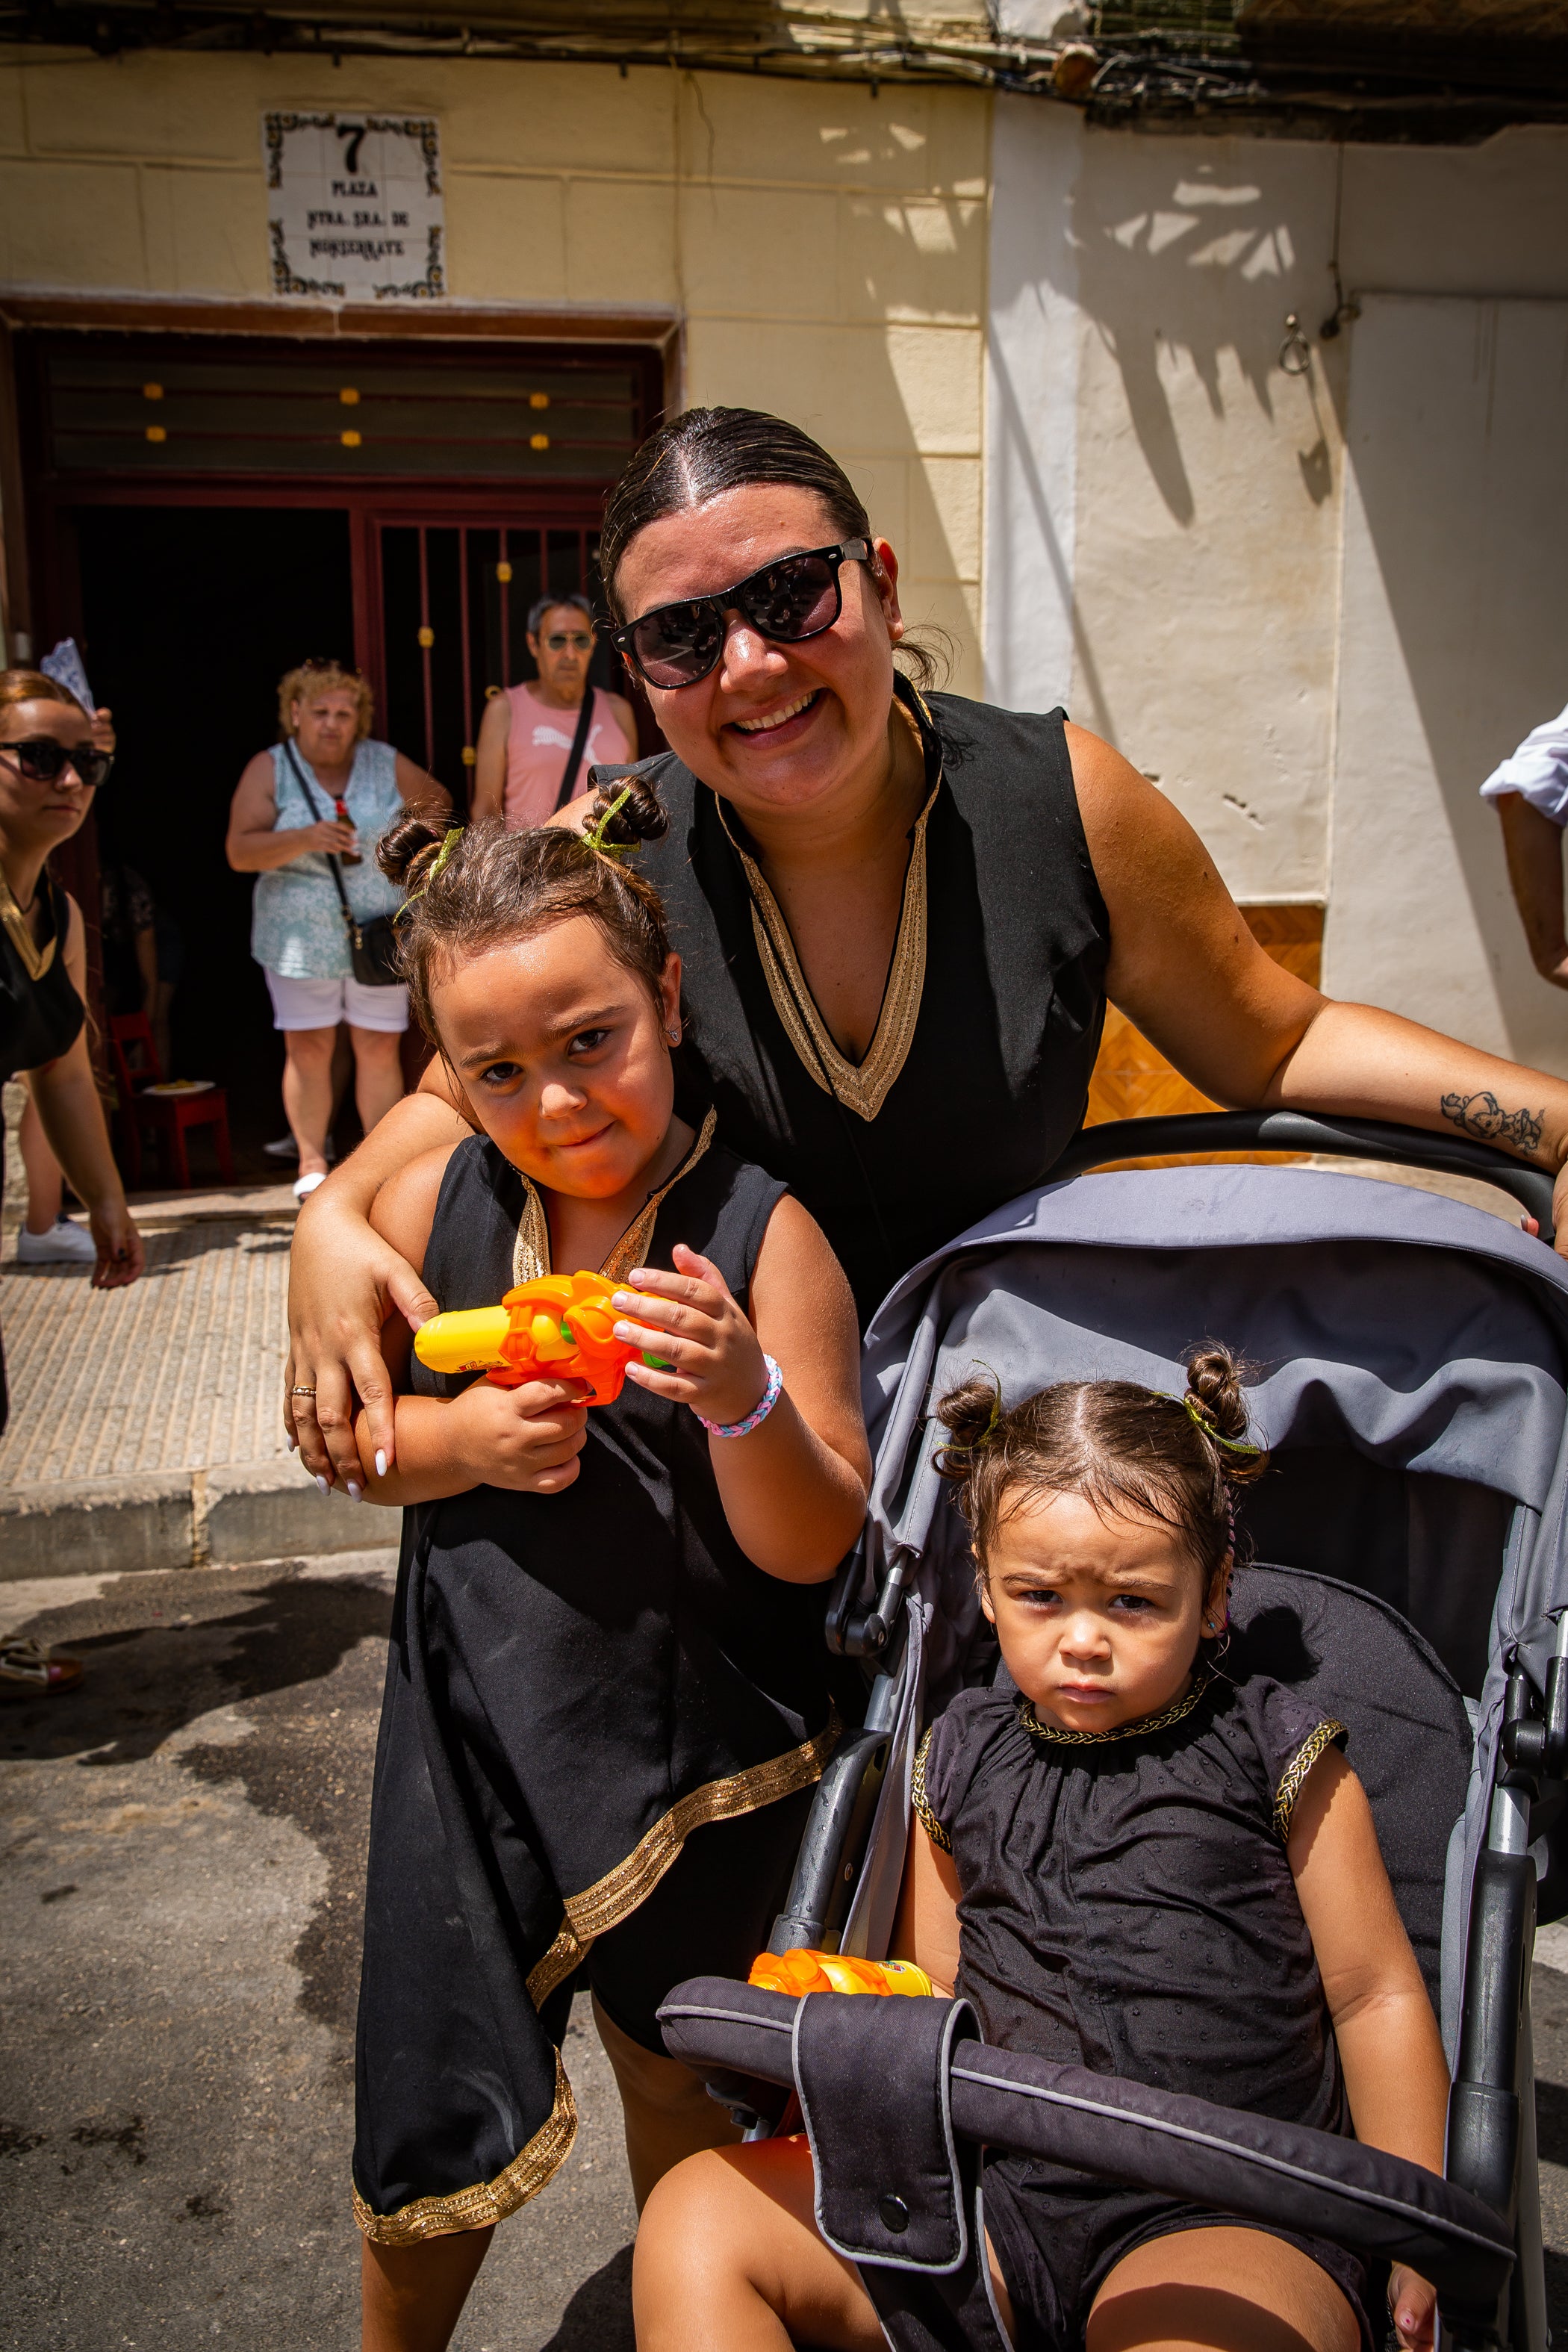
{"points": [[165, 1117]]}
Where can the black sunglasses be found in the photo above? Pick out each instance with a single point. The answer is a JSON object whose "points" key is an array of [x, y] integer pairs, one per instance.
{"points": [[41, 759], [795, 598]]}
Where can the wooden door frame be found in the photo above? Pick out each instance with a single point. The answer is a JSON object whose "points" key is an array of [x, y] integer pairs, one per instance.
{"points": [[40, 600]]}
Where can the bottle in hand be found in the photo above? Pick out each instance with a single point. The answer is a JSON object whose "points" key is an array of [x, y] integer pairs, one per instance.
{"points": [[347, 857]]}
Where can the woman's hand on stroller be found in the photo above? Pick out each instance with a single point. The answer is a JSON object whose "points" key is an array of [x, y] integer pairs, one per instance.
{"points": [[715, 1360], [1413, 2307]]}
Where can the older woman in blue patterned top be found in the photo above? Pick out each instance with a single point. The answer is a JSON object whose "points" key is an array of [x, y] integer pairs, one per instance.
{"points": [[326, 790]]}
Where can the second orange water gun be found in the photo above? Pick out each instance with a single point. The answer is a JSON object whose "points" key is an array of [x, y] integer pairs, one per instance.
{"points": [[801, 1970], [558, 1326]]}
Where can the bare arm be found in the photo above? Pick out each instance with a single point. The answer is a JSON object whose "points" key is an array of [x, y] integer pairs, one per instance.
{"points": [[418, 787], [253, 845], [1186, 968], [343, 1281], [490, 758], [71, 1113], [793, 1488], [1532, 845], [926, 1928], [1396, 2078], [526, 1438]]}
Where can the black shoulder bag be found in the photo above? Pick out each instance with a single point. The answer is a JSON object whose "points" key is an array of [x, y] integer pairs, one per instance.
{"points": [[579, 745], [372, 946]]}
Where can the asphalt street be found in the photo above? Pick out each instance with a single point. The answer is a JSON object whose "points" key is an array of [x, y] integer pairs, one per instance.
{"points": [[182, 1849], [181, 1846]]}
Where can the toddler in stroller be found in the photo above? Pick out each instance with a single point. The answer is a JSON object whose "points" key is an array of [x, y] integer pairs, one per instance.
{"points": [[1128, 1859]]}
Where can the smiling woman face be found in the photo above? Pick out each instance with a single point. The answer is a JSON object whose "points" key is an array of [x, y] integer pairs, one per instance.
{"points": [[564, 1054], [773, 727]]}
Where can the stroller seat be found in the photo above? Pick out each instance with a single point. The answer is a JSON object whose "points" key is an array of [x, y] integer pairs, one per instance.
{"points": [[1411, 1384]]}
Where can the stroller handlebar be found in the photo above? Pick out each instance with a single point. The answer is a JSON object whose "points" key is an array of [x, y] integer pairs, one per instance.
{"points": [[1298, 1130], [1176, 2145]]}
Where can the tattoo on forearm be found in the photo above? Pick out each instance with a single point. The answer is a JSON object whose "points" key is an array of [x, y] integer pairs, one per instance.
{"points": [[1484, 1116]]}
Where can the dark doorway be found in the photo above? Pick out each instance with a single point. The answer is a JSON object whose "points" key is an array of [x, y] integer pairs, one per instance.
{"points": [[190, 615]]}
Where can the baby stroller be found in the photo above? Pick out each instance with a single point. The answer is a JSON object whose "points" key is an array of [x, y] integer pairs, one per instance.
{"points": [[1410, 1574]]}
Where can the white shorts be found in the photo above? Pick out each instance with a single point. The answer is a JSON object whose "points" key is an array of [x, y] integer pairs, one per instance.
{"points": [[322, 1003]]}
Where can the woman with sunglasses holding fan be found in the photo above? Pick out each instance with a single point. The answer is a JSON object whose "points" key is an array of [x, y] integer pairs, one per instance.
{"points": [[49, 771], [900, 918]]}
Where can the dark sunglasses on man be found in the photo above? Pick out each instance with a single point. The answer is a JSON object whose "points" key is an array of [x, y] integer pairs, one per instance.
{"points": [[41, 759], [578, 639], [796, 597]]}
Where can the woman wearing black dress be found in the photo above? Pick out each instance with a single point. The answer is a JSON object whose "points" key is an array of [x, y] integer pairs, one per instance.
{"points": [[49, 770], [901, 922]]}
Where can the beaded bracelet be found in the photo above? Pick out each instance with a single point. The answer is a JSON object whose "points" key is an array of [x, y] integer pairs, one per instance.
{"points": [[771, 1396]]}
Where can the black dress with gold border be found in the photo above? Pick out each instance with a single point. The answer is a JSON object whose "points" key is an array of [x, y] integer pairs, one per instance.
{"points": [[579, 1684]]}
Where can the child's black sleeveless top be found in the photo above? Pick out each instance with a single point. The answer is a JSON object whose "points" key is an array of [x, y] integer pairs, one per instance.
{"points": [[578, 1682], [1127, 1902], [977, 1075]]}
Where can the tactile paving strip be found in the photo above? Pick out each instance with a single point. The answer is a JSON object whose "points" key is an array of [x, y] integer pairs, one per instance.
{"points": [[181, 1371]]}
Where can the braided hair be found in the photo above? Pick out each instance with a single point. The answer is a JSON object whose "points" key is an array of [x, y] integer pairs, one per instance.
{"points": [[1127, 1449], [481, 887]]}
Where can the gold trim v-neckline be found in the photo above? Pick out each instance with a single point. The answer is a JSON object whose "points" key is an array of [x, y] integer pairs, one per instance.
{"points": [[863, 1087], [36, 959], [1144, 1723], [531, 1251]]}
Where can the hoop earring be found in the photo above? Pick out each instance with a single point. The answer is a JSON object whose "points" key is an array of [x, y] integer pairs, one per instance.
{"points": [[1221, 1640]]}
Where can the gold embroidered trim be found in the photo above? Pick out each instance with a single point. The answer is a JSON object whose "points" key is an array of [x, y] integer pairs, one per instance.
{"points": [[531, 1251], [615, 1896], [36, 959], [564, 1955], [921, 1803], [488, 2200], [1161, 1722], [862, 1088], [1294, 1778]]}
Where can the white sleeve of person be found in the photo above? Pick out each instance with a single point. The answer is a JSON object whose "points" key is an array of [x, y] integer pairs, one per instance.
{"points": [[1537, 770]]}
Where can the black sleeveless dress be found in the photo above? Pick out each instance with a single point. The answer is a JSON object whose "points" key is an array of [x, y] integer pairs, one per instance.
{"points": [[1126, 1905], [600, 1733], [40, 1013], [978, 1074]]}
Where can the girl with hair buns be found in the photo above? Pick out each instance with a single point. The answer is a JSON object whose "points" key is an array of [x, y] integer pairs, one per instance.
{"points": [[1130, 1860], [607, 1698]]}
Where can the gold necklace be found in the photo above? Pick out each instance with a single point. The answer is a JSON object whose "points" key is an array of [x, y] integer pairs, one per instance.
{"points": [[35, 961], [1161, 1722]]}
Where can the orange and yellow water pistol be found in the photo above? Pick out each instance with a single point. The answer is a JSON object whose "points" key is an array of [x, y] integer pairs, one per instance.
{"points": [[558, 1327], [801, 1971]]}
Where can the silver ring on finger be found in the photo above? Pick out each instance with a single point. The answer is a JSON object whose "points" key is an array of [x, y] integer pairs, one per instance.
{"points": [[302, 1391]]}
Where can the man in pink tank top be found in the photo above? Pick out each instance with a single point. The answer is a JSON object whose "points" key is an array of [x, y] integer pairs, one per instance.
{"points": [[527, 733]]}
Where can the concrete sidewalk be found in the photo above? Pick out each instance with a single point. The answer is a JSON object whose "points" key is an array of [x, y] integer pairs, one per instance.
{"points": [[146, 1428]]}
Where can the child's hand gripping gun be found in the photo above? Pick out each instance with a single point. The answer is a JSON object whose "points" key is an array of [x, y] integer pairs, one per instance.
{"points": [[801, 1971], [561, 1327]]}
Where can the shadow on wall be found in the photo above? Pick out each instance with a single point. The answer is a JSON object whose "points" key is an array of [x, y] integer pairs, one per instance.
{"points": [[1455, 642], [1190, 257]]}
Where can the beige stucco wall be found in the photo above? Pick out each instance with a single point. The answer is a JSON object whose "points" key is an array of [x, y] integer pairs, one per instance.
{"points": [[824, 249], [1190, 492]]}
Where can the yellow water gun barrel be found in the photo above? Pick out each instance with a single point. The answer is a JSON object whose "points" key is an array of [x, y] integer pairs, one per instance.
{"points": [[469, 1339]]}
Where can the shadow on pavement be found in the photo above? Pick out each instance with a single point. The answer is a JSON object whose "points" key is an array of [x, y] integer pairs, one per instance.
{"points": [[188, 1651], [599, 2317]]}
